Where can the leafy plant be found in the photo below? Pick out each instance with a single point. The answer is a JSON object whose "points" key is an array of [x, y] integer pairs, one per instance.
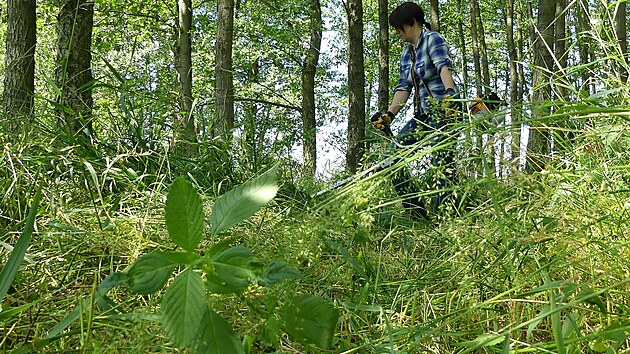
{"points": [[187, 315], [9, 271]]}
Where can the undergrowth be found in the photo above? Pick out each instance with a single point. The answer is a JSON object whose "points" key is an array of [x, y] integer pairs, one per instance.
{"points": [[531, 262]]}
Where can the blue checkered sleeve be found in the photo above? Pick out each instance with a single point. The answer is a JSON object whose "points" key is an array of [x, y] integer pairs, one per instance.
{"points": [[404, 79], [438, 51]]}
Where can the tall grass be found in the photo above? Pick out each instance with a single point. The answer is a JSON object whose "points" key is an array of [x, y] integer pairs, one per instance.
{"points": [[518, 263]]}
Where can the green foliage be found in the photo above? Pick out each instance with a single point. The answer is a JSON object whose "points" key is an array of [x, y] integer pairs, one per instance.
{"points": [[311, 319], [9, 271], [183, 309], [521, 263], [243, 201], [184, 215], [217, 336], [186, 309], [149, 273]]}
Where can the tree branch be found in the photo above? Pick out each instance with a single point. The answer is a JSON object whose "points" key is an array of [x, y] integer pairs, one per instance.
{"points": [[295, 108]]}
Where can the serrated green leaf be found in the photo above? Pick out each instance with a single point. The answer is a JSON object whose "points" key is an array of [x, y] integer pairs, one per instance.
{"points": [[184, 215], [216, 336], [233, 270], [310, 319], [243, 201], [183, 307], [185, 258], [219, 286], [149, 273], [219, 247], [276, 272]]}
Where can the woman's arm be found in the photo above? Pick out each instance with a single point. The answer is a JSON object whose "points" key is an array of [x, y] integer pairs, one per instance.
{"points": [[399, 101], [447, 78]]}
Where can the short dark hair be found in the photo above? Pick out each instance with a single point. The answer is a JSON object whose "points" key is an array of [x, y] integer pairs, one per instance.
{"points": [[406, 14]]}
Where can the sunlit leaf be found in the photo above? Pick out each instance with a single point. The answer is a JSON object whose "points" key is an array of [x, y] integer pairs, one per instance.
{"points": [[243, 201]]}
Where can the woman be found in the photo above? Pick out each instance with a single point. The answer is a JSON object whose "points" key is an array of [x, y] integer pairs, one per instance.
{"points": [[428, 55]]}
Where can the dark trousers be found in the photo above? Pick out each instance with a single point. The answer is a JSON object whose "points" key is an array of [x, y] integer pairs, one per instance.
{"points": [[441, 161]]}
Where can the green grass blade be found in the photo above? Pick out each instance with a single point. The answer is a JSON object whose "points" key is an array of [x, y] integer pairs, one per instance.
{"points": [[10, 270], [8, 313], [348, 257], [112, 280]]}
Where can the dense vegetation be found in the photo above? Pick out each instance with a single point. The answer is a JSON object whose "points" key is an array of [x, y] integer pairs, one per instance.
{"points": [[107, 231]]}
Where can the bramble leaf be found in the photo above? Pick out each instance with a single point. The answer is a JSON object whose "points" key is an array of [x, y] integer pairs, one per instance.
{"points": [[243, 201], [149, 273], [184, 214], [216, 336], [183, 308], [234, 270]]}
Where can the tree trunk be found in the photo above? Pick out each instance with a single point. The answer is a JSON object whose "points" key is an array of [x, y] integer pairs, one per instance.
{"points": [[185, 133], [74, 73], [474, 14], [509, 25], [514, 80], [309, 70], [383, 55], [539, 141], [622, 36], [435, 15], [462, 44], [520, 44], [224, 85], [481, 39], [583, 28], [560, 34], [19, 78], [356, 86]]}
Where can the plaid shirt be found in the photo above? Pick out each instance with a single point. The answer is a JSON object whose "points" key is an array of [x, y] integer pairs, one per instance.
{"points": [[432, 55]]}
